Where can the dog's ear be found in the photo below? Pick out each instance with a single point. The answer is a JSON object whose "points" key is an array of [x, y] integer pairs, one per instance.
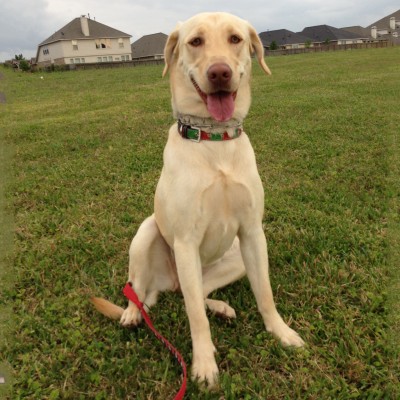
{"points": [[258, 48], [171, 49]]}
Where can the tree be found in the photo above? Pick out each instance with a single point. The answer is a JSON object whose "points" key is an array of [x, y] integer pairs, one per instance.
{"points": [[273, 45], [22, 63]]}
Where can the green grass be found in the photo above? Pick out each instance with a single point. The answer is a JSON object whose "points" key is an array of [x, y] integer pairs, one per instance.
{"points": [[86, 150]]}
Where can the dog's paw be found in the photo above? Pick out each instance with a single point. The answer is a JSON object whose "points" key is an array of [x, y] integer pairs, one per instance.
{"points": [[220, 308], [205, 371], [131, 316], [287, 336], [291, 338]]}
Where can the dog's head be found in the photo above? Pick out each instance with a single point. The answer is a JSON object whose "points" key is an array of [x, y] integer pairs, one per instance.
{"points": [[209, 58]]}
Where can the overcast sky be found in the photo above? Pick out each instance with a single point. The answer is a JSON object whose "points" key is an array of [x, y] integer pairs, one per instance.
{"points": [[26, 23]]}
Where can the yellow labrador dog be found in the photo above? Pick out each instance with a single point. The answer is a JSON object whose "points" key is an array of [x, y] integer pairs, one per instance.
{"points": [[206, 230]]}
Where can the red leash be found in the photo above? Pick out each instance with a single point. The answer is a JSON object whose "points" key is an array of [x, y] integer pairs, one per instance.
{"points": [[132, 296]]}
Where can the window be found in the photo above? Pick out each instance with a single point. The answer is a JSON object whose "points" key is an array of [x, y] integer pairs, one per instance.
{"points": [[124, 58], [121, 43], [46, 51], [74, 45], [103, 43], [76, 60], [110, 58], [104, 59], [98, 59]]}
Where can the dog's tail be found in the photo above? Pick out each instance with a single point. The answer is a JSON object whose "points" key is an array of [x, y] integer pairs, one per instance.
{"points": [[107, 308]]}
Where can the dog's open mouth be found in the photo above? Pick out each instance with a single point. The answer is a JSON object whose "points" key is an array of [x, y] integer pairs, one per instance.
{"points": [[220, 105]]}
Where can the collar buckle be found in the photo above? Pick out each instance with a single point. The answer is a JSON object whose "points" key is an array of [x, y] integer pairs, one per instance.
{"points": [[194, 134]]}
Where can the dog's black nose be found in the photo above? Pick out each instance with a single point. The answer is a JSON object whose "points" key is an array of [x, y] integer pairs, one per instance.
{"points": [[219, 74]]}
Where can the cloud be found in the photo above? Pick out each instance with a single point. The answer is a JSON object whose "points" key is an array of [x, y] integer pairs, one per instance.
{"points": [[21, 25]]}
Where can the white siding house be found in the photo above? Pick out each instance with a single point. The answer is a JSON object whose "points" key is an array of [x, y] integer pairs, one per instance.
{"points": [[84, 40]]}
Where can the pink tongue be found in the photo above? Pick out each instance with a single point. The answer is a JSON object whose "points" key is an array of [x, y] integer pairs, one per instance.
{"points": [[221, 106]]}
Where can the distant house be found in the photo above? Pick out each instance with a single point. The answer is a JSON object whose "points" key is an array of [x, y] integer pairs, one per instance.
{"points": [[149, 47], [284, 39], [321, 34], [387, 28], [84, 40]]}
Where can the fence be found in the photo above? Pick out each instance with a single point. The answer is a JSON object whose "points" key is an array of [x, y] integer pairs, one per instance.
{"points": [[114, 64], [330, 47], [102, 65]]}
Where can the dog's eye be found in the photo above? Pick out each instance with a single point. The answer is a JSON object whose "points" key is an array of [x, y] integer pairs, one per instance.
{"points": [[196, 42], [234, 39]]}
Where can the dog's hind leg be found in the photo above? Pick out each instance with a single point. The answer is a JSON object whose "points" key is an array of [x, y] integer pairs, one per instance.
{"points": [[151, 269], [228, 269]]}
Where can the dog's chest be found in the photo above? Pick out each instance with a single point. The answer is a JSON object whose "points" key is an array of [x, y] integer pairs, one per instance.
{"points": [[205, 197], [226, 197], [223, 206]]}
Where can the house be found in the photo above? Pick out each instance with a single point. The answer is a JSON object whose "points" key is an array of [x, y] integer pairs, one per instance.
{"points": [[312, 36], [84, 40], [149, 47], [321, 34], [387, 28], [284, 39]]}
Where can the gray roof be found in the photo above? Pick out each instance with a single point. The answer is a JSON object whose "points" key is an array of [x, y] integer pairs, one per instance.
{"points": [[384, 22], [282, 37], [321, 33], [73, 30], [358, 30], [149, 45]]}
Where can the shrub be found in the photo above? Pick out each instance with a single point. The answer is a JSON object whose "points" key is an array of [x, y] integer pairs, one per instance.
{"points": [[24, 65]]}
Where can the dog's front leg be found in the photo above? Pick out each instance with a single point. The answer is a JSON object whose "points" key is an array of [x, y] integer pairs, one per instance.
{"points": [[253, 246], [204, 367]]}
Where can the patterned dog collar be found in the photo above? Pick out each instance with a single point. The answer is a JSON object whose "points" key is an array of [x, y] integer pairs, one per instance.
{"points": [[196, 134]]}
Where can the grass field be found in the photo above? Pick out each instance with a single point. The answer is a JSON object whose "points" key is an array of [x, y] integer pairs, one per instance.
{"points": [[80, 156]]}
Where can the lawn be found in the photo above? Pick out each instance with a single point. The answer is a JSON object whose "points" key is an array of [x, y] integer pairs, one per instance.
{"points": [[80, 156]]}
